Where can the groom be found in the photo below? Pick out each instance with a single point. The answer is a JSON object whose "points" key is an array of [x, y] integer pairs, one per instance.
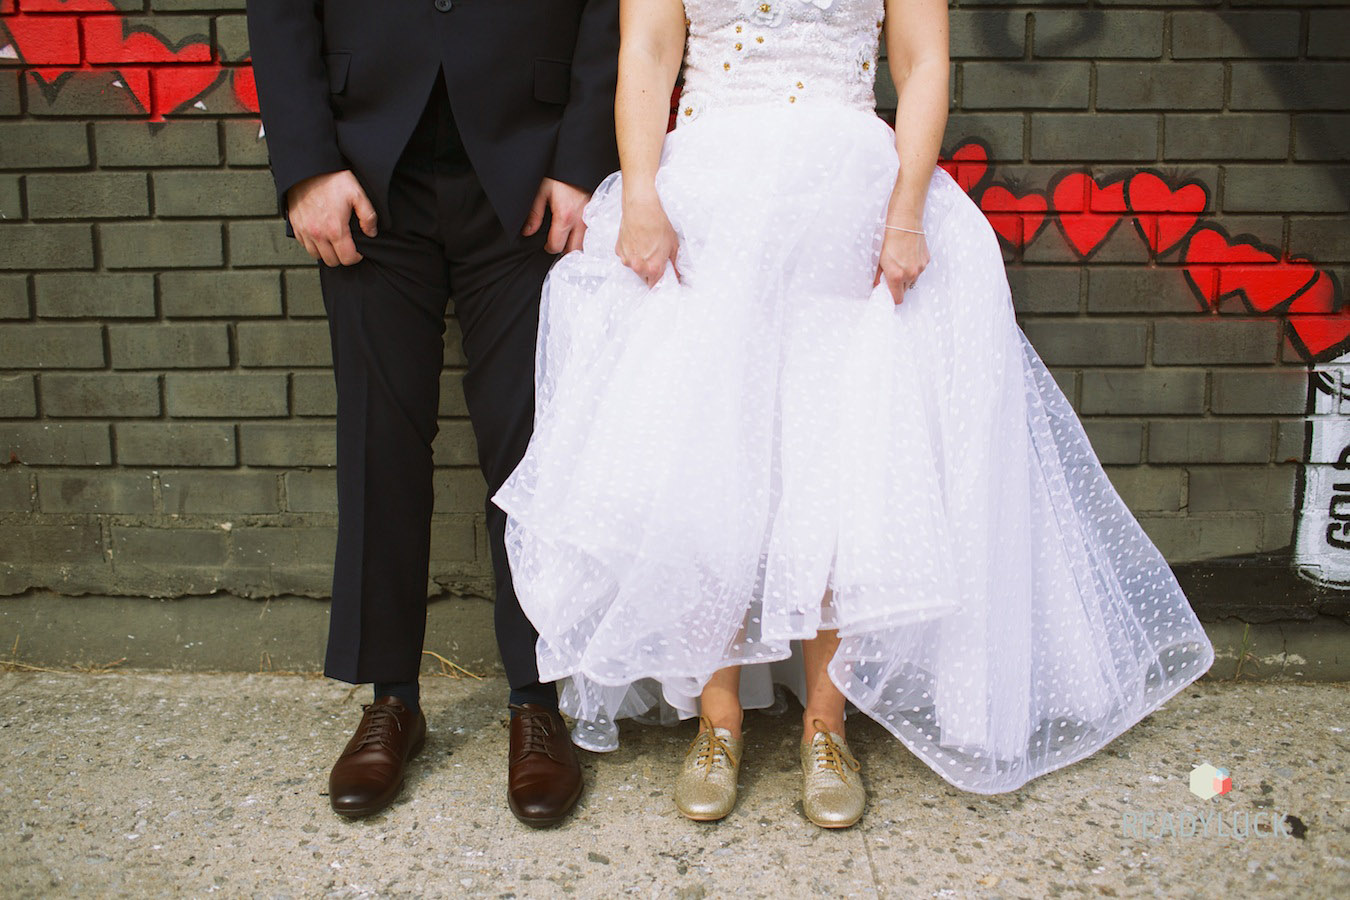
{"points": [[428, 149]]}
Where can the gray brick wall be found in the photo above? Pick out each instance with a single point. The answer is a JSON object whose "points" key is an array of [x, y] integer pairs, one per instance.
{"points": [[165, 401]]}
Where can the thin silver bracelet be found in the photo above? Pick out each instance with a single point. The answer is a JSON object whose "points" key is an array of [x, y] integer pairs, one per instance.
{"points": [[909, 230]]}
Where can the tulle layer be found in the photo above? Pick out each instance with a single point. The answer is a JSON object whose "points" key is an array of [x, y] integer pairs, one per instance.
{"points": [[768, 446]]}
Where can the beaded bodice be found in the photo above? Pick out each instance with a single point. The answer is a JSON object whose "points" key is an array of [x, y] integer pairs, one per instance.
{"points": [[743, 52]]}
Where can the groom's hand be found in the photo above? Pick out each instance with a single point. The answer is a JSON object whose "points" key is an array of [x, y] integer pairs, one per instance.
{"points": [[567, 231], [320, 209]]}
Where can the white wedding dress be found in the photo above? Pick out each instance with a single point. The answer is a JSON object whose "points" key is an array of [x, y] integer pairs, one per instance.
{"points": [[714, 455]]}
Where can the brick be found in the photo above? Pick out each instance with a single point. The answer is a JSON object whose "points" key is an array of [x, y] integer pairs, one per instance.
{"points": [[1323, 239], [43, 145], [1281, 86], [1098, 343], [143, 146], [1291, 441], [188, 492], [1322, 137], [311, 492], [48, 444], [461, 490], [18, 397], [1155, 85], [55, 545], [27, 247], [231, 38], [1189, 539], [220, 294], [1241, 35], [453, 540], [1225, 136], [1286, 188], [102, 295], [290, 546], [161, 245], [160, 346], [1099, 35], [189, 35], [1211, 340], [128, 493], [452, 394], [303, 297], [84, 93], [1149, 488], [454, 444], [1115, 442], [1045, 289], [1001, 132], [284, 344], [11, 92], [51, 346], [11, 198], [100, 395], [1270, 392], [189, 5], [214, 194], [14, 297], [1208, 441], [175, 444], [16, 491], [313, 394], [1036, 85], [245, 146], [1229, 488], [264, 243], [1327, 29], [288, 444], [1072, 138], [228, 395], [1136, 290], [997, 35], [88, 195], [1067, 380], [1148, 392], [175, 546]]}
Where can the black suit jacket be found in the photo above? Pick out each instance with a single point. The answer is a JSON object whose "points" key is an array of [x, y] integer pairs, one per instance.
{"points": [[342, 84]]}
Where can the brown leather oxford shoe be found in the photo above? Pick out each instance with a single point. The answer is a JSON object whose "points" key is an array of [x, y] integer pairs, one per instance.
{"points": [[369, 774], [545, 776]]}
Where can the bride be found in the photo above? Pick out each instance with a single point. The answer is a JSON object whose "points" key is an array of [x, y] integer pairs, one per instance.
{"points": [[788, 431]]}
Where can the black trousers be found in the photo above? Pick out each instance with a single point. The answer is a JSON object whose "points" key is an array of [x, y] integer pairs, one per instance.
{"points": [[386, 315]]}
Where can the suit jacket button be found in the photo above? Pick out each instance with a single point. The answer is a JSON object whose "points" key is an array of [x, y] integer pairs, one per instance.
{"points": [[444, 5]]}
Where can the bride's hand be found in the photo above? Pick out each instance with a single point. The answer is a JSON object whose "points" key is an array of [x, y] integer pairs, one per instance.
{"points": [[903, 256], [647, 239]]}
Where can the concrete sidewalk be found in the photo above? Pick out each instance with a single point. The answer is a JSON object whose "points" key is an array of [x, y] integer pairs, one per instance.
{"points": [[132, 784]]}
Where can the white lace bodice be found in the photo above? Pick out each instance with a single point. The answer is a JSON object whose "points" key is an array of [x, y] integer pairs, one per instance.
{"points": [[779, 52]]}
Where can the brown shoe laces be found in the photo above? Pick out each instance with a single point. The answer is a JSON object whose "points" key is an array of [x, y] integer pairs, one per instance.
{"points": [[830, 755], [375, 725], [536, 731], [708, 744]]}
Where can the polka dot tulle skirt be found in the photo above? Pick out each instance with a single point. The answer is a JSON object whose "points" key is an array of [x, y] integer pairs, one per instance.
{"points": [[766, 446]]}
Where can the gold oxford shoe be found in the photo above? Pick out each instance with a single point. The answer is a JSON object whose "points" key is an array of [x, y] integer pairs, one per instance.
{"points": [[832, 789], [706, 787]]}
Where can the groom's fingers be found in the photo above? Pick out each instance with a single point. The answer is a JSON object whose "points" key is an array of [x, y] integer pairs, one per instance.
{"points": [[536, 216], [575, 237], [344, 248], [557, 235], [365, 213]]}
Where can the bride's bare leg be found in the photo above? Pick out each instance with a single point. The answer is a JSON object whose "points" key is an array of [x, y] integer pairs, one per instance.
{"points": [[823, 700], [720, 701]]}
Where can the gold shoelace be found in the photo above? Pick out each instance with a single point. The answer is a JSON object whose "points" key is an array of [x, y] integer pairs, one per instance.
{"points": [[829, 755], [709, 744]]}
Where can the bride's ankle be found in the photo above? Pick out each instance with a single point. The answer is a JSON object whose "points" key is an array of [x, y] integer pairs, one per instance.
{"points": [[731, 721], [813, 721]]}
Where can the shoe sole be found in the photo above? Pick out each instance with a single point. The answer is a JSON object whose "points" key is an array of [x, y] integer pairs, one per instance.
{"points": [[372, 810]]}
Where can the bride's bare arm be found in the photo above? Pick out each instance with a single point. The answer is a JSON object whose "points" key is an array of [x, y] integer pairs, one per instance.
{"points": [[651, 48], [917, 51]]}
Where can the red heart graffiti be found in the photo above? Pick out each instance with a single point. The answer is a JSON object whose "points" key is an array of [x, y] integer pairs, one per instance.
{"points": [[1319, 332], [969, 164], [1164, 216], [1016, 219], [1217, 267], [1086, 211]]}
